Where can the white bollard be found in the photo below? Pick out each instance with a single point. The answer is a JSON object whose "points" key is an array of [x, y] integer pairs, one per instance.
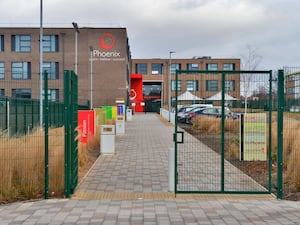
{"points": [[171, 169]]}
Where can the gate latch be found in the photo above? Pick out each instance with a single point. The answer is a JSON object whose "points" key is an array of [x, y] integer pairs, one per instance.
{"points": [[178, 140]]}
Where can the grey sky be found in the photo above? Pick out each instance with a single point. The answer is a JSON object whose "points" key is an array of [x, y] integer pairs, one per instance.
{"points": [[217, 28]]}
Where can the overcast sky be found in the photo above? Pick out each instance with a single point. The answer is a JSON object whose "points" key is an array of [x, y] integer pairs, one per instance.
{"points": [[216, 28]]}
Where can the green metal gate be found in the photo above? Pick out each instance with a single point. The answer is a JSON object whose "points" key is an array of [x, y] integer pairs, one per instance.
{"points": [[225, 145]]}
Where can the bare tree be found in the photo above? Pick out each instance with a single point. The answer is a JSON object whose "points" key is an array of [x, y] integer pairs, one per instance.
{"points": [[262, 92], [249, 62]]}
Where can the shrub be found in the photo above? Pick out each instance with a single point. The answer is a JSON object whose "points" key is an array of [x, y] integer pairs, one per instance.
{"points": [[234, 149]]}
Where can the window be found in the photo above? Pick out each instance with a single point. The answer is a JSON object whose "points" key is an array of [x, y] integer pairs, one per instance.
{"points": [[211, 85], [21, 93], [293, 77], [152, 90], [228, 66], [2, 92], [174, 67], [192, 85], [52, 68], [173, 87], [21, 70], [157, 68], [1, 43], [292, 90], [2, 70], [141, 68], [229, 85], [192, 66], [212, 66], [50, 43], [53, 95], [21, 43]]}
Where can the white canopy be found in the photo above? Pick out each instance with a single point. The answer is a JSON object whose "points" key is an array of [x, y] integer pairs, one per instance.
{"points": [[188, 96], [218, 97]]}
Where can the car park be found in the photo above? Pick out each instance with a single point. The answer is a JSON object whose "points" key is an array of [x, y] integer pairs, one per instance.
{"points": [[215, 111], [182, 110]]}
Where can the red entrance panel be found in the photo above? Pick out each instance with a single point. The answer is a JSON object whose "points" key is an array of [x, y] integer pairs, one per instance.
{"points": [[86, 125], [136, 93]]}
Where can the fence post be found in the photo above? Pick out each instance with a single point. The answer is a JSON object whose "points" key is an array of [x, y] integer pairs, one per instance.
{"points": [[73, 132], [7, 113], [223, 134], [67, 95], [16, 105], [24, 117], [46, 110], [280, 110], [270, 130]]}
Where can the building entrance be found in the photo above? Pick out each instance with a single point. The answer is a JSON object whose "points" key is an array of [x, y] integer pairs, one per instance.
{"points": [[152, 96]]}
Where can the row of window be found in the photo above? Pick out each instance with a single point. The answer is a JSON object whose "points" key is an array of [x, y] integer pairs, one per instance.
{"points": [[293, 90], [190, 85], [53, 94], [211, 85], [157, 68], [22, 70], [22, 43], [295, 77]]}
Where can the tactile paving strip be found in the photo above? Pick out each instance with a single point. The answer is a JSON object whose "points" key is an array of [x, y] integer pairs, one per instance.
{"points": [[166, 195]]}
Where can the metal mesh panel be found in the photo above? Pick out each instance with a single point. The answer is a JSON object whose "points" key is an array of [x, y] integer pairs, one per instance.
{"points": [[291, 133], [252, 170], [21, 157], [226, 134], [22, 139]]}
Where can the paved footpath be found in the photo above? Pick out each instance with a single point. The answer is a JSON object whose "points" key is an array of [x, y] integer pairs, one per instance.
{"points": [[131, 187]]}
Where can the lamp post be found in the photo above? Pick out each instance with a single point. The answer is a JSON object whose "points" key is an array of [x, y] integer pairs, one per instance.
{"points": [[91, 77], [170, 85], [41, 63], [76, 28]]}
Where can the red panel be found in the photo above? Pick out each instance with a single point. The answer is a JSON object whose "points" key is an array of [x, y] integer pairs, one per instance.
{"points": [[136, 93], [86, 124]]}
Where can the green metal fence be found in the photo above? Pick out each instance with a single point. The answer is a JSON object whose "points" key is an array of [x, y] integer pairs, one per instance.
{"points": [[39, 161], [288, 155], [222, 151], [20, 116]]}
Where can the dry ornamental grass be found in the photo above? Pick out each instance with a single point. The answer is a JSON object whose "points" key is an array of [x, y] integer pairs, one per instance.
{"points": [[22, 164], [291, 143]]}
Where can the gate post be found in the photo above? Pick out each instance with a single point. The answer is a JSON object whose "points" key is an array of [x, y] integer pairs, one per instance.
{"points": [[71, 144], [171, 169], [280, 110]]}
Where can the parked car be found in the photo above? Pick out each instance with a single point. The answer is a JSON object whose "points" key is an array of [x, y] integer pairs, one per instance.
{"points": [[182, 110], [215, 111], [184, 115]]}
